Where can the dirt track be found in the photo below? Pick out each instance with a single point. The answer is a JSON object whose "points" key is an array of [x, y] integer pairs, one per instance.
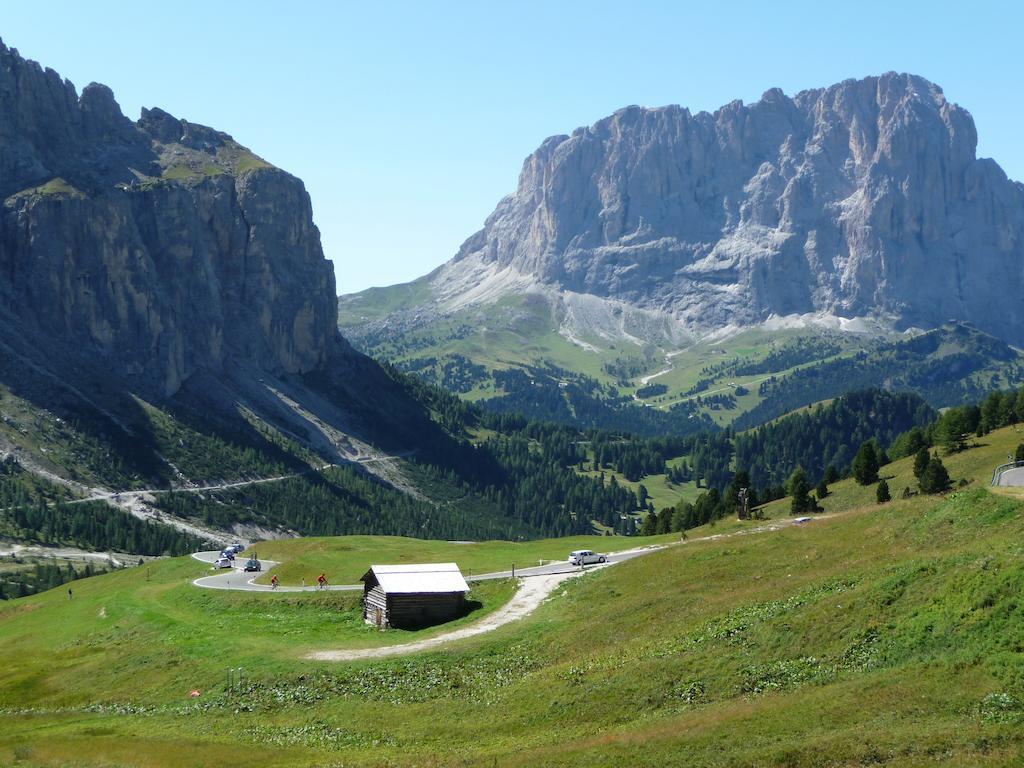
{"points": [[533, 591], [530, 595]]}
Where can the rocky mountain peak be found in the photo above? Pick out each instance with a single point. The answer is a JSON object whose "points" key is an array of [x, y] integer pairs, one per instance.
{"points": [[862, 198], [158, 247]]}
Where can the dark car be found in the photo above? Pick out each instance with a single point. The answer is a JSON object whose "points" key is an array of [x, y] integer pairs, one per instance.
{"points": [[253, 565]]}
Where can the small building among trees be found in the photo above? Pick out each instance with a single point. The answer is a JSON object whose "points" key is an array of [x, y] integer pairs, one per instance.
{"points": [[407, 596]]}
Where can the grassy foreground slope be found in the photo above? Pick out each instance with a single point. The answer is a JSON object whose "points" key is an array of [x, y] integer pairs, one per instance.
{"points": [[880, 635]]}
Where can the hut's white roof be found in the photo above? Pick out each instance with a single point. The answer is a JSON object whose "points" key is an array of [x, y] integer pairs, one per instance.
{"points": [[422, 577]]}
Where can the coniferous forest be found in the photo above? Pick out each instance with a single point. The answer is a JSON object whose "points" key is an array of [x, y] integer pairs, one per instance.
{"points": [[499, 475]]}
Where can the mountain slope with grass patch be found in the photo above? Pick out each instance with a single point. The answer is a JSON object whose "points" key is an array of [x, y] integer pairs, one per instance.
{"points": [[893, 623]]}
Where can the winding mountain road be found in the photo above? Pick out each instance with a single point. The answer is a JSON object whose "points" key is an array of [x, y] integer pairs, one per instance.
{"points": [[237, 579], [536, 585]]}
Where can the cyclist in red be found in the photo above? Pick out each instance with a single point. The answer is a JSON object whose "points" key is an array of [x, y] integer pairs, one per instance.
{"points": [[273, 581], [321, 580]]}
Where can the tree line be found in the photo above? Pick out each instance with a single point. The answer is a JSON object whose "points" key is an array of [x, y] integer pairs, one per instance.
{"points": [[96, 525], [908, 365], [828, 435], [43, 576]]}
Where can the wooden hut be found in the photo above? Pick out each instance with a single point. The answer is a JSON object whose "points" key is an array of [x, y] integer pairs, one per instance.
{"points": [[413, 595]]}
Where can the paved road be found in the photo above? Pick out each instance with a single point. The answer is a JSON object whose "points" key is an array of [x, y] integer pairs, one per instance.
{"points": [[530, 594], [237, 579], [1012, 477]]}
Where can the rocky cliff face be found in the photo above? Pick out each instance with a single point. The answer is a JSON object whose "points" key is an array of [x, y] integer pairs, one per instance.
{"points": [[158, 247], [862, 199]]}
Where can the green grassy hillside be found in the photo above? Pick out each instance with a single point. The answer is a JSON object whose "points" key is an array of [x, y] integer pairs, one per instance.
{"points": [[877, 635], [746, 379], [346, 558]]}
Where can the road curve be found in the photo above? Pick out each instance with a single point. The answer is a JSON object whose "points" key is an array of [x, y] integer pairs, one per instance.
{"points": [[1012, 477], [237, 579], [531, 593]]}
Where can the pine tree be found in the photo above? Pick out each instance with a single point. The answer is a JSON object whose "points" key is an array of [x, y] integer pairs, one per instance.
{"points": [[822, 490], [990, 413], [882, 492], [921, 459], [799, 490], [665, 520], [650, 525], [865, 465], [935, 478], [1019, 455], [883, 457], [642, 495], [951, 429]]}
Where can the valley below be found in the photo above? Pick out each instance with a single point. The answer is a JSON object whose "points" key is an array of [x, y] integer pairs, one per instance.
{"points": [[689, 456]]}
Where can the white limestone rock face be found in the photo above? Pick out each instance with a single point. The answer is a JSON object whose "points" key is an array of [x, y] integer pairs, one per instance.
{"points": [[862, 199]]}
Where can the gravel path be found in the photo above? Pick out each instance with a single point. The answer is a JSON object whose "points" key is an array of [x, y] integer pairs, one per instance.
{"points": [[531, 594], [535, 588]]}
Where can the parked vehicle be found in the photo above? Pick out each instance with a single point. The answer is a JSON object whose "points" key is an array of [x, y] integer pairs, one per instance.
{"points": [[585, 557], [223, 562], [253, 565]]}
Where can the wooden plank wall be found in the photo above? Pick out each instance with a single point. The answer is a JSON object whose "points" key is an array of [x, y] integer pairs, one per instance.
{"points": [[410, 610], [375, 606]]}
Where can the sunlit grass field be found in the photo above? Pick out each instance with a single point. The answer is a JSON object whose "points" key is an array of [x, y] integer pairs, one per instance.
{"points": [[345, 558], [882, 635]]}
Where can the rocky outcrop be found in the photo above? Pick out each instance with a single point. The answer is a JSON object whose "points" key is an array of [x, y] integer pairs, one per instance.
{"points": [[862, 199], [159, 247]]}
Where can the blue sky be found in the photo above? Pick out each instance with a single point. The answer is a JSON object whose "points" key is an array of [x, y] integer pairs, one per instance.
{"points": [[409, 121]]}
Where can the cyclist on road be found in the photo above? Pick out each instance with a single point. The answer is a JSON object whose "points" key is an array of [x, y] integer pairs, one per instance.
{"points": [[273, 581], [321, 581]]}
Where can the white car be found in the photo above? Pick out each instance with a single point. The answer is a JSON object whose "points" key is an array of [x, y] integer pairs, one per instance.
{"points": [[223, 562], [585, 557]]}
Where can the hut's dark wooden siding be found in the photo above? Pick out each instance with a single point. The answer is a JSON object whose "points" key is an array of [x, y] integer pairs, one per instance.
{"points": [[417, 609], [408, 609]]}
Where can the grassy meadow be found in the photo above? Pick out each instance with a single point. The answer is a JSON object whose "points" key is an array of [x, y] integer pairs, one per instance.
{"points": [[882, 635], [345, 558]]}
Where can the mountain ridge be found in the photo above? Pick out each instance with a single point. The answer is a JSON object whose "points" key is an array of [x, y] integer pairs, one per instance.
{"points": [[160, 246], [656, 239], [864, 199]]}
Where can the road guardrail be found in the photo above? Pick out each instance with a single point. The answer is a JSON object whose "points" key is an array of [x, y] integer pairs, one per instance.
{"points": [[997, 473]]}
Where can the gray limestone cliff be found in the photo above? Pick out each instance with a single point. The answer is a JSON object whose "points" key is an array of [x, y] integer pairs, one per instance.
{"points": [[157, 247], [862, 199]]}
